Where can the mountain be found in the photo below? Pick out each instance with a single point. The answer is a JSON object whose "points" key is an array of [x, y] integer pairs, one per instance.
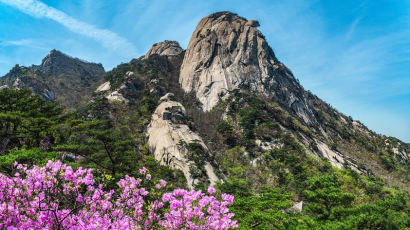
{"points": [[224, 112], [228, 52], [228, 90], [59, 77], [235, 92]]}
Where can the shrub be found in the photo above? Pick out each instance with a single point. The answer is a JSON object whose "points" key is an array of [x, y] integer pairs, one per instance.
{"points": [[57, 197]]}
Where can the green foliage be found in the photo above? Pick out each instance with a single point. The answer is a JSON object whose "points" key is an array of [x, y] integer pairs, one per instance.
{"points": [[35, 156], [117, 75], [391, 212], [26, 120], [263, 210], [388, 162], [100, 146], [227, 131], [324, 194]]}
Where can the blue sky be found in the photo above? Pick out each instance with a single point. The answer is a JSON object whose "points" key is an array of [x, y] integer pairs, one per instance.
{"points": [[353, 54]]}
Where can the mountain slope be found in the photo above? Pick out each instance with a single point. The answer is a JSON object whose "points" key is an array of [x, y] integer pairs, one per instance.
{"points": [[260, 122], [227, 53]]}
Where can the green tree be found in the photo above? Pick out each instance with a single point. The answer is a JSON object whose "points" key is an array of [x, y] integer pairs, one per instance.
{"points": [[324, 193], [263, 210], [26, 120], [101, 146]]}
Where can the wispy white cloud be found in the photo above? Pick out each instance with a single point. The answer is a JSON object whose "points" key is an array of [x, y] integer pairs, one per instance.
{"points": [[22, 42], [106, 38], [352, 28], [332, 63]]}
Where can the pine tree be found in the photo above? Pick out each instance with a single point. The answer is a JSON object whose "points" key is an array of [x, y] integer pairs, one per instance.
{"points": [[26, 120]]}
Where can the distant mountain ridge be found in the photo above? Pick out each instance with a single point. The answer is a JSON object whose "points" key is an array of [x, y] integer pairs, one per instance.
{"points": [[59, 77]]}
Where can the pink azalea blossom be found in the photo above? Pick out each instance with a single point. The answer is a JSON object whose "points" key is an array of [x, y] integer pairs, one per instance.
{"points": [[31, 200], [143, 170], [211, 189]]}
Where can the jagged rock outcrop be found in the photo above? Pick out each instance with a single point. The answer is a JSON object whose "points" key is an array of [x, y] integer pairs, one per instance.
{"points": [[24, 78], [335, 157], [166, 134], [266, 145], [15, 72], [170, 48], [227, 52]]}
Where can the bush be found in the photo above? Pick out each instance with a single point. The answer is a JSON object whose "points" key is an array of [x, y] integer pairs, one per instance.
{"points": [[30, 157], [57, 197]]}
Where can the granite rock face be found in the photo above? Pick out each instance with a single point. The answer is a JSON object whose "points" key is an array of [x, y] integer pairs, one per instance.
{"points": [[167, 131], [169, 48], [228, 52]]}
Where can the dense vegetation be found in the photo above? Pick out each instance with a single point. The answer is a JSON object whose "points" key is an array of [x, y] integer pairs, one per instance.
{"points": [[289, 172], [110, 137]]}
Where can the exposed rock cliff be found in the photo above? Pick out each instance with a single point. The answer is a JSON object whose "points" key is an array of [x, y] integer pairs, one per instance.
{"points": [[227, 52], [103, 87], [167, 134]]}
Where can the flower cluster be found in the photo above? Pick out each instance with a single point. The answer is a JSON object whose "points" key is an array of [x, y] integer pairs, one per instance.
{"points": [[57, 197], [196, 210]]}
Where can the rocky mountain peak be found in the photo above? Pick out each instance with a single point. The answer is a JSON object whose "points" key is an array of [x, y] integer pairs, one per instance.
{"points": [[56, 62], [225, 52], [228, 52], [166, 47], [12, 74], [55, 57]]}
